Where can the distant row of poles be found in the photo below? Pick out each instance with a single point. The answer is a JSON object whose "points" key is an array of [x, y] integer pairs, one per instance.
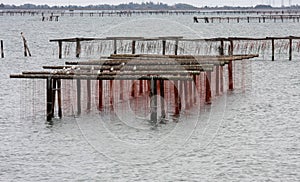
{"points": [[142, 12], [248, 19]]}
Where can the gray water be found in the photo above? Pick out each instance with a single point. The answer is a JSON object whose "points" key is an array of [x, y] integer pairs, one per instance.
{"points": [[246, 135]]}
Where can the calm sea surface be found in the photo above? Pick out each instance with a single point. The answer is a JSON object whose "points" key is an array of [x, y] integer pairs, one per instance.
{"points": [[248, 135]]}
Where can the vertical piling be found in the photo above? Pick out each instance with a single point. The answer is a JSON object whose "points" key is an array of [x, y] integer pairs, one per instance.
{"points": [[49, 99], [59, 98], [153, 100], [100, 93], [164, 47], [78, 48], [176, 47], [208, 88], [78, 96], [273, 49], [89, 98], [2, 52], [162, 99], [133, 47], [176, 97], [217, 80], [60, 49], [230, 76], [53, 96], [231, 48], [115, 46], [290, 48]]}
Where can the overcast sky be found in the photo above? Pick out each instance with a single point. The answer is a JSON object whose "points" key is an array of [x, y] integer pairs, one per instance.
{"points": [[199, 3]]}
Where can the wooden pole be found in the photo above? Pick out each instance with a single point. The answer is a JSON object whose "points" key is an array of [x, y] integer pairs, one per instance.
{"points": [[59, 49], [53, 96], [186, 94], [208, 89], [162, 99], [231, 48], [217, 80], [164, 47], [59, 98], [291, 48], [153, 101], [78, 48], [49, 99], [115, 46], [111, 93], [26, 49], [176, 97], [78, 96], [273, 49], [121, 89], [89, 98], [133, 47], [221, 50], [100, 91], [230, 75], [141, 87], [2, 52], [176, 46]]}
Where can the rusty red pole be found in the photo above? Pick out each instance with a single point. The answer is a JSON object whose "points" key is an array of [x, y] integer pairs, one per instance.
{"points": [[208, 89], [100, 90]]}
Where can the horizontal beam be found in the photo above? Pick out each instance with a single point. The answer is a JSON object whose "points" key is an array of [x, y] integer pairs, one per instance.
{"points": [[100, 77]]}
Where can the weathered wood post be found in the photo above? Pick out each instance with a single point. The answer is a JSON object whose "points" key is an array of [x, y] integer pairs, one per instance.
{"points": [[186, 94], [78, 96], [111, 93], [164, 47], [217, 80], [176, 97], [290, 48], [53, 96], [273, 49], [100, 92], [230, 76], [162, 99], [153, 100], [121, 89], [176, 46], [221, 48], [59, 98], [2, 52], [208, 89], [59, 49], [89, 98], [133, 47], [26, 49], [78, 47], [49, 99], [115, 46]]}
